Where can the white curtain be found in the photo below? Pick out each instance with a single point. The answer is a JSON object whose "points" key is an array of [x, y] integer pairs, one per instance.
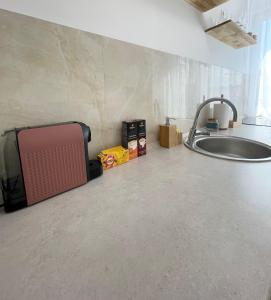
{"points": [[180, 84], [259, 81], [264, 94]]}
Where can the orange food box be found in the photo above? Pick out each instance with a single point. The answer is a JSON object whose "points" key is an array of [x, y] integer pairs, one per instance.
{"points": [[112, 157]]}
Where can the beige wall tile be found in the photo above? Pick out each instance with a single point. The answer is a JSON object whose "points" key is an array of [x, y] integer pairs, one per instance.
{"points": [[50, 73]]}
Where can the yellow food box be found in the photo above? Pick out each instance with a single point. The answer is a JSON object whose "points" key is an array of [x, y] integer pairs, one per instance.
{"points": [[112, 157]]}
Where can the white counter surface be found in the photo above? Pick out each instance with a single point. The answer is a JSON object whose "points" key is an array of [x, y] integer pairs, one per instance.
{"points": [[174, 224]]}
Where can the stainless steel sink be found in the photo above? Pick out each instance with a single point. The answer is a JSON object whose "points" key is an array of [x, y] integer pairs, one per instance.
{"points": [[227, 147], [232, 148]]}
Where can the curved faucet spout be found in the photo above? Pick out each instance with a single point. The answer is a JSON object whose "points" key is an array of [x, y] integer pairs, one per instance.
{"points": [[193, 130]]}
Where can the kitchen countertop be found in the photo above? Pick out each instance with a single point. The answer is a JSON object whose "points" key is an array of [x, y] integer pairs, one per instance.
{"points": [[261, 134], [174, 224]]}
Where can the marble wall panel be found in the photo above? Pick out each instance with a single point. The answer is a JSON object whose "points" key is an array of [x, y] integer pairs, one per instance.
{"points": [[51, 73]]}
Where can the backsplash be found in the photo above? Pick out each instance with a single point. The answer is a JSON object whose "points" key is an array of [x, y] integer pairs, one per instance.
{"points": [[51, 73]]}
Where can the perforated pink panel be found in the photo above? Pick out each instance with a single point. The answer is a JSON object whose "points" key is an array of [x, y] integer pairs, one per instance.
{"points": [[53, 160]]}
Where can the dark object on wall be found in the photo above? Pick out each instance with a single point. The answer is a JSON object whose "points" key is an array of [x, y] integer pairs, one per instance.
{"points": [[44, 161], [95, 169]]}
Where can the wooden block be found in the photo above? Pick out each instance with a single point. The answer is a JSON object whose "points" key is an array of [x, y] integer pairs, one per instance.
{"points": [[169, 137], [233, 124], [205, 5]]}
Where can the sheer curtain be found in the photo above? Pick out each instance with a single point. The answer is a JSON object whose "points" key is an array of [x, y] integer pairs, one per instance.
{"points": [[264, 95], [259, 81], [179, 84]]}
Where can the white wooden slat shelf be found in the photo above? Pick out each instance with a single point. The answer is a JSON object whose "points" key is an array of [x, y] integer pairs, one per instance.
{"points": [[232, 34]]}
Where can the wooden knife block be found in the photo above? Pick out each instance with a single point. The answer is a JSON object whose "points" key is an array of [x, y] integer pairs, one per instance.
{"points": [[169, 137]]}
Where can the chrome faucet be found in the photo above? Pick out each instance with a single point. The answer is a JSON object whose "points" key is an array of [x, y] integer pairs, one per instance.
{"points": [[193, 131]]}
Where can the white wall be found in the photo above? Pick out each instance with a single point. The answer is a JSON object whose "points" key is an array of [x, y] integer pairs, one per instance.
{"points": [[169, 25]]}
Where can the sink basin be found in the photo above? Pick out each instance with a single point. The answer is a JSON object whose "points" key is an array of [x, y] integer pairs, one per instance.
{"points": [[232, 148]]}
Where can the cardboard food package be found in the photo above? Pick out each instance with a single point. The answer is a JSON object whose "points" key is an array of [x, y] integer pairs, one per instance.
{"points": [[112, 157], [129, 138], [142, 146], [141, 137], [134, 137]]}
